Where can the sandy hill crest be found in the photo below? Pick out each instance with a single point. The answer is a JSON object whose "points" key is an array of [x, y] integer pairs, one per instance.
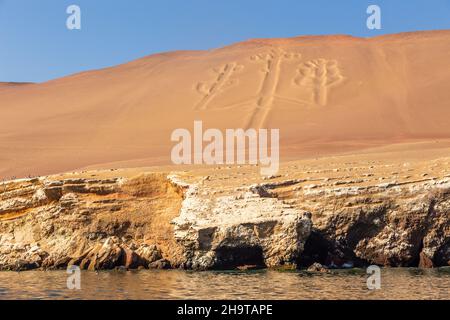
{"points": [[326, 94]]}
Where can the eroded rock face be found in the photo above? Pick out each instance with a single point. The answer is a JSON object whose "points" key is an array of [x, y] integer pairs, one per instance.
{"points": [[94, 223], [390, 224], [244, 229], [196, 222]]}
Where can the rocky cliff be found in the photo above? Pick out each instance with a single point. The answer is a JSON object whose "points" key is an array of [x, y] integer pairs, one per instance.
{"points": [[390, 224], [241, 229], [94, 223], [352, 216]]}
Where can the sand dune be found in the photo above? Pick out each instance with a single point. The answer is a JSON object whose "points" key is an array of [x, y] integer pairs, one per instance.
{"points": [[327, 94]]}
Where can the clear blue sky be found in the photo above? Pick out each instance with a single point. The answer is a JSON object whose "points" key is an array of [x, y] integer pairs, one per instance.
{"points": [[35, 44]]}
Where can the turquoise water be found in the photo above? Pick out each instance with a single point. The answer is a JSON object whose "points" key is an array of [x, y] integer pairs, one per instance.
{"points": [[265, 284]]}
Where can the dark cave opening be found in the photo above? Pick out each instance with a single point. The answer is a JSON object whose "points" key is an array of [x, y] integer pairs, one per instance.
{"points": [[318, 248], [228, 258]]}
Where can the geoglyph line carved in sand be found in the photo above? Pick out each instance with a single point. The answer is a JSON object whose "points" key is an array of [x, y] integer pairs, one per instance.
{"points": [[267, 93], [319, 75], [222, 82]]}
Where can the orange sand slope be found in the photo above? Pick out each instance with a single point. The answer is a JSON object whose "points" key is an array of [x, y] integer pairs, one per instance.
{"points": [[327, 94]]}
